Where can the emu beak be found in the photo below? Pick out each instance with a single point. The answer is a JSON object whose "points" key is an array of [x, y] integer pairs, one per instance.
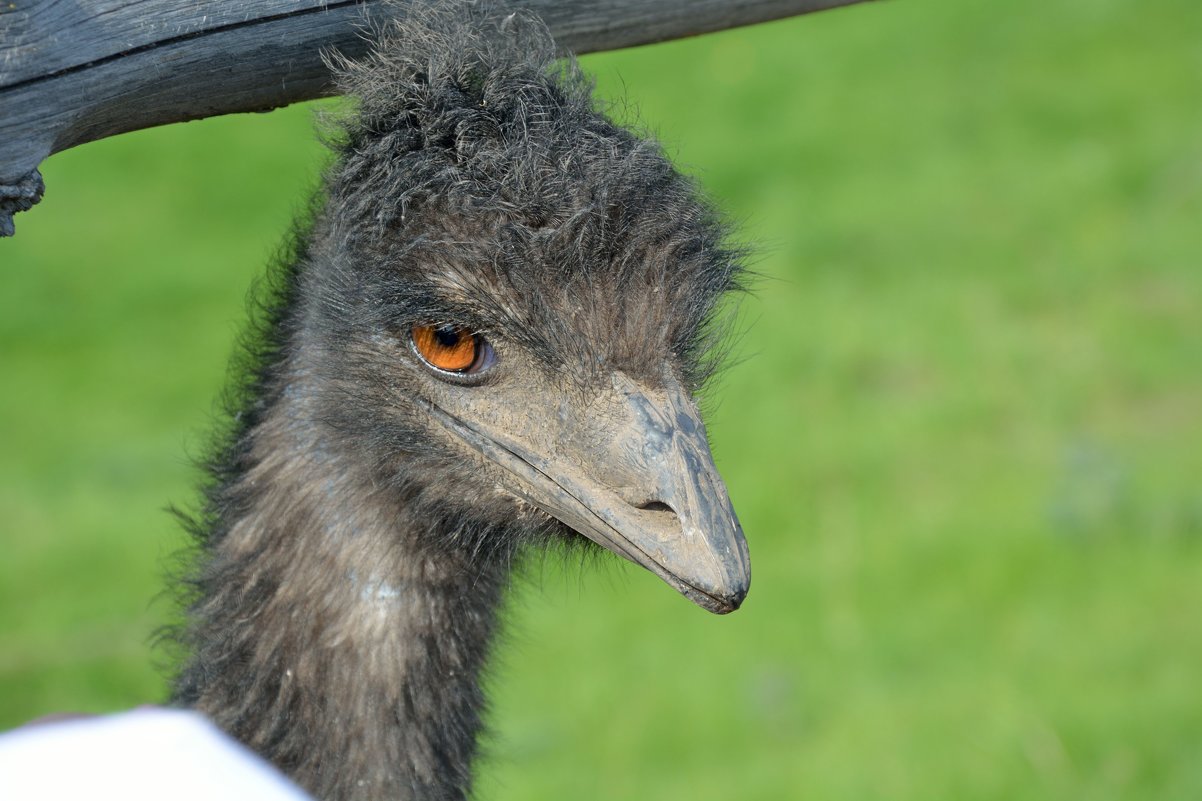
{"points": [[633, 472]]}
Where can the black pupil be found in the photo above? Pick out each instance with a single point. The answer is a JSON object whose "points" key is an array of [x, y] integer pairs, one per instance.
{"points": [[448, 336]]}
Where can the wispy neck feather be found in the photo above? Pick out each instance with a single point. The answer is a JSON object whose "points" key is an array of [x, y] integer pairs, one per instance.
{"points": [[327, 639]]}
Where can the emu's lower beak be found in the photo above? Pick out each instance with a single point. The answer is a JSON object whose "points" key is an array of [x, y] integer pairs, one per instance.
{"points": [[634, 473]]}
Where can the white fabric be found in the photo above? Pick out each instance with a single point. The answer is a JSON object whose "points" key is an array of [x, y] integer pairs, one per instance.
{"points": [[145, 755]]}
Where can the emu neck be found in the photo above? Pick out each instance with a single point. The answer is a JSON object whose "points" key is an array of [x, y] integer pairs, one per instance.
{"points": [[327, 638]]}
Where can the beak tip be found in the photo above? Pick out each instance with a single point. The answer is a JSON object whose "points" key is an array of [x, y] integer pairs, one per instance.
{"points": [[721, 603]]}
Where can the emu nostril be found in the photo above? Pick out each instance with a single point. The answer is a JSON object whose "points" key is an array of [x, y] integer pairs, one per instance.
{"points": [[657, 506]]}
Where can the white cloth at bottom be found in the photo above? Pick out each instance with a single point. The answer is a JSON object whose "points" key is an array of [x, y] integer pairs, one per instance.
{"points": [[145, 755]]}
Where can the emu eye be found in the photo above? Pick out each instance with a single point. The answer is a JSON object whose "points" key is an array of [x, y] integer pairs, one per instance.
{"points": [[449, 349]]}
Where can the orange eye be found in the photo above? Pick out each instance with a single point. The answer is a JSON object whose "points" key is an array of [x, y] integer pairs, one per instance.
{"points": [[447, 348]]}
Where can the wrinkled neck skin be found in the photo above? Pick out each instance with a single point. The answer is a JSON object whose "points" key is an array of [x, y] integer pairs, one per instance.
{"points": [[326, 637]]}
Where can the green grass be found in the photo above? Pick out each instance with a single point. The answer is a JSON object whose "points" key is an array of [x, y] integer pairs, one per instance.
{"points": [[964, 432]]}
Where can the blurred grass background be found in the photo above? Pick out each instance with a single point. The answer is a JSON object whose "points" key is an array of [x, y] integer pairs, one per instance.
{"points": [[964, 432]]}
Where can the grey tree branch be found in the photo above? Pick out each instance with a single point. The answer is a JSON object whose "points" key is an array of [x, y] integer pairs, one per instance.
{"points": [[74, 72]]}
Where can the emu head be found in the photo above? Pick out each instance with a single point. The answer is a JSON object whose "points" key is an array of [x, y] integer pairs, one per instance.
{"points": [[510, 301]]}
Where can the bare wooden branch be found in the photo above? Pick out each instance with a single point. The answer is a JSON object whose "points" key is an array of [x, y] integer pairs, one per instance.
{"points": [[74, 72]]}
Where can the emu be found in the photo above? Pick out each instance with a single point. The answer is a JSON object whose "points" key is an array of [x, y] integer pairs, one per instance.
{"points": [[486, 341]]}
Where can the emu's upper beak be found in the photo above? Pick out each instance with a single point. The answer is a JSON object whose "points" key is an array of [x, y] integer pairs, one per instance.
{"points": [[633, 472]]}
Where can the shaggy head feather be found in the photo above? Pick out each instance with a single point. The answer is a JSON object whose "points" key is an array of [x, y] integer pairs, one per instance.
{"points": [[478, 183]]}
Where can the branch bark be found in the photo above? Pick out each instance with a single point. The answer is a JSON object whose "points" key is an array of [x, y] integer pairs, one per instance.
{"points": [[74, 72]]}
